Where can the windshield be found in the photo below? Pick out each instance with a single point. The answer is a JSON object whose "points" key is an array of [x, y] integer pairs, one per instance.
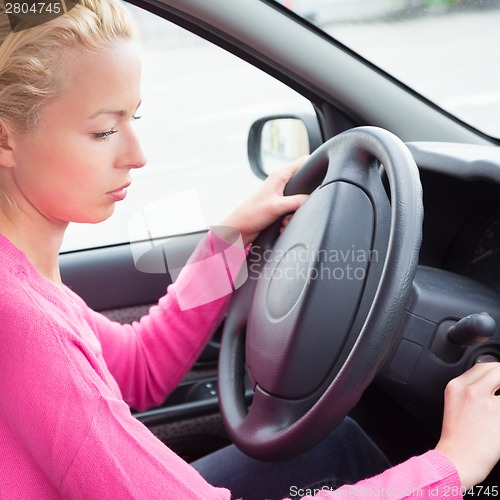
{"points": [[446, 50]]}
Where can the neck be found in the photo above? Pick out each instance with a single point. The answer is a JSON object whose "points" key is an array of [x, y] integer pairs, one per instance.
{"points": [[39, 240]]}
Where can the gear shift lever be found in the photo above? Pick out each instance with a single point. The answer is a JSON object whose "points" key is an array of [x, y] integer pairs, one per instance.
{"points": [[472, 330]]}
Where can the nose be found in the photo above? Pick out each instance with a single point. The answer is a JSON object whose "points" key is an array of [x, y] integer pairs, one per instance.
{"points": [[132, 154]]}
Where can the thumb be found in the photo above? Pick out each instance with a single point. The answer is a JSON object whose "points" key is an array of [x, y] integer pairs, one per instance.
{"points": [[293, 202]]}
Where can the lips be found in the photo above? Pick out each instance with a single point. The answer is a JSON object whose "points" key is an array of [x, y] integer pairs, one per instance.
{"points": [[120, 193]]}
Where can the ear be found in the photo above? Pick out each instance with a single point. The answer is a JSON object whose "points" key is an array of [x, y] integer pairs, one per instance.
{"points": [[6, 150]]}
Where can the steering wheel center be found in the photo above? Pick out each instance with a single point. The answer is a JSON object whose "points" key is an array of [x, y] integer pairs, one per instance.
{"points": [[289, 279]]}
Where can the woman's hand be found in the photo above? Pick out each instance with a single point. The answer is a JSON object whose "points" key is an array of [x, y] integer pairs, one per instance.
{"points": [[266, 205], [470, 436]]}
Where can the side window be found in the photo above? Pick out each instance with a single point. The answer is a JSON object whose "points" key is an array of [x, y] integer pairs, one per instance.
{"points": [[198, 104]]}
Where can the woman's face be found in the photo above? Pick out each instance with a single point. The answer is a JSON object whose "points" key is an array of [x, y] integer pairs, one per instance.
{"points": [[74, 165]]}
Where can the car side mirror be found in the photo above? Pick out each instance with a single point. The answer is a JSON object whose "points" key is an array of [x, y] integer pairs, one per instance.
{"points": [[275, 141]]}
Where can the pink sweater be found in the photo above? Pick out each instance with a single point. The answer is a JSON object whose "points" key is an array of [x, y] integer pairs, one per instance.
{"points": [[68, 376]]}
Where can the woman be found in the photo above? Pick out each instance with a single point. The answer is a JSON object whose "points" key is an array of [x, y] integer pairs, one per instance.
{"points": [[69, 92]]}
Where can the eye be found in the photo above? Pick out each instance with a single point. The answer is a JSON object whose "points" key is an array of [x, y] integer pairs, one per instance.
{"points": [[135, 117], [102, 136]]}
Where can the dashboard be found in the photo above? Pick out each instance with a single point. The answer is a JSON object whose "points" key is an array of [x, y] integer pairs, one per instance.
{"points": [[458, 275], [461, 189]]}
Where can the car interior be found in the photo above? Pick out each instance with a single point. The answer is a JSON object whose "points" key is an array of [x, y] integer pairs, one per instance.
{"points": [[443, 279]]}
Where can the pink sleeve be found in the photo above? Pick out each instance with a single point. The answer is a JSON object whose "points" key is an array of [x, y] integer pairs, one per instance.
{"points": [[428, 477], [120, 458], [149, 358], [64, 431]]}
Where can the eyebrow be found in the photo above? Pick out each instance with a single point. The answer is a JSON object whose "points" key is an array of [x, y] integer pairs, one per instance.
{"points": [[115, 112]]}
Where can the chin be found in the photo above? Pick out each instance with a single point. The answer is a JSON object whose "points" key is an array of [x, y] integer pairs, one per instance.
{"points": [[95, 218]]}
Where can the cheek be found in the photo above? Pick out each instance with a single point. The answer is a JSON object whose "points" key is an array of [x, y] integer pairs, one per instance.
{"points": [[48, 176], [55, 159]]}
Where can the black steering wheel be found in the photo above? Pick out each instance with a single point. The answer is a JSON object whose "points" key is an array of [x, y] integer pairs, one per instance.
{"points": [[319, 314]]}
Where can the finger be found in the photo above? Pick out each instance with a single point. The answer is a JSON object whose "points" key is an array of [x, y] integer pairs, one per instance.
{"points": [[286, 220], [286, 173], [477, 372], [490, 379], [292, 203], [296, 164]]}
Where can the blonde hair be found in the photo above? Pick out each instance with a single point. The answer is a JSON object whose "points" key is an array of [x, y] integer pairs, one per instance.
{"points": [[31, 60]]}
